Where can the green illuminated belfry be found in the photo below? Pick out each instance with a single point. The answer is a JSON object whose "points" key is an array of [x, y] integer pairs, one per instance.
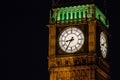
{"points": [[73, 14]]}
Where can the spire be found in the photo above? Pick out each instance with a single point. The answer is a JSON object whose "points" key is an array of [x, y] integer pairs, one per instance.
{"points": [[61, 3], [105, 6]]}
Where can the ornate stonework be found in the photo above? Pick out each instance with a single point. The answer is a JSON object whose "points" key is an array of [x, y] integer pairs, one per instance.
{"points": [[87, 63]]}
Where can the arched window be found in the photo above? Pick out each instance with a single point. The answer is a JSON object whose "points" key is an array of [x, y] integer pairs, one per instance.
{"points": [[60, 16], [77, 14], [73, 15], [64, 16], [85, 14], [81, 14], [69, 16]]}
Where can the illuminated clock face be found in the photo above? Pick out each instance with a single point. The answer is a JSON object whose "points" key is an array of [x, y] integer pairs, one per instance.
{"points": [[71, 40], [103, 44]]}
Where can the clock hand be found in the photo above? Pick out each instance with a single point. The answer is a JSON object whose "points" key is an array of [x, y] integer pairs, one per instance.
{"points": [[70, 39], [103, 44], [67, 40], [69, 43]]}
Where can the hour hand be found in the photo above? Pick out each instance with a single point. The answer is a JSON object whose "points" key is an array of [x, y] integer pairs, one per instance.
{"points": [[70, 39], [67, 40]]}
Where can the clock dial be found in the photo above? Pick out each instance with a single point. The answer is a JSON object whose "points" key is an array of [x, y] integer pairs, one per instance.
{"points": [[103, 44], [71, 40]]}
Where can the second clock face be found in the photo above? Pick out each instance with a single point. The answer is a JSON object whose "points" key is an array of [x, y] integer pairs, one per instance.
{"points": [[71, 40], [103, 44]]}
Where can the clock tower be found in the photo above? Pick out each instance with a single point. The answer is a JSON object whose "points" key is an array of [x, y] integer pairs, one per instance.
{"points": [[78, 41]]}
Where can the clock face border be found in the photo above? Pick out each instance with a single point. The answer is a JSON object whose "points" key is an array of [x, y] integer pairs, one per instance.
{"points": [[105, 39], [83, 49], [72, 41]]}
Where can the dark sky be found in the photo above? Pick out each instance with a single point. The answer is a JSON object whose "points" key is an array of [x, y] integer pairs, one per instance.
{"points": [[24, 37]]}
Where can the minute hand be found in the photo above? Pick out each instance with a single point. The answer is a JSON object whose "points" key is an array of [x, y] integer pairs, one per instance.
{"points": [[69, 42]]}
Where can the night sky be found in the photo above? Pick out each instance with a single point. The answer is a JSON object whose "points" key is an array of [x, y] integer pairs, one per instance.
{"points": [[24, 37]]}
